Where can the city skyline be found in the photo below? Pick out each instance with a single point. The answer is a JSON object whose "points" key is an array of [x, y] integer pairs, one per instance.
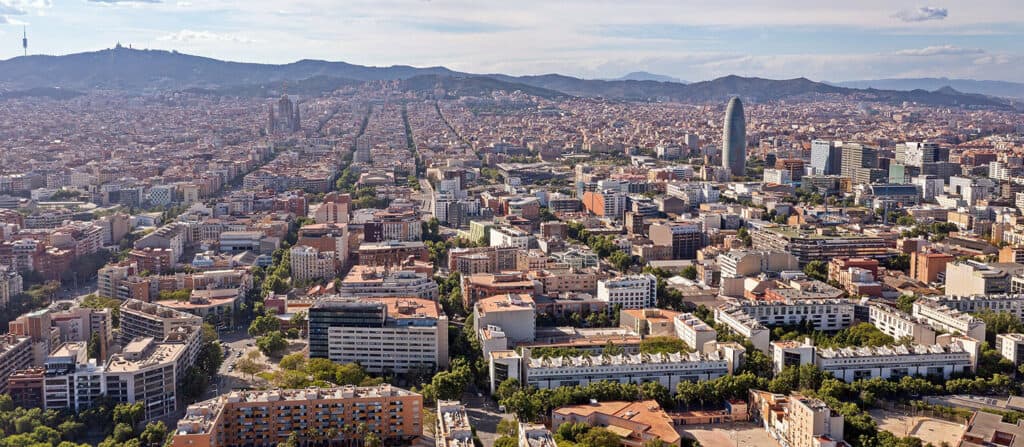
{"points": [[869, 40]]}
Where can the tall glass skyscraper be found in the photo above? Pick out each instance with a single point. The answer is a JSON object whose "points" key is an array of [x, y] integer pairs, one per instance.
{"points": [[734, 138]]}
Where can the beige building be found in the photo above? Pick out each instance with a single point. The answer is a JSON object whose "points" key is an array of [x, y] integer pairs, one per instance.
{"points": [[15, 354], [975, 278], [797, 420], [310, 264]]}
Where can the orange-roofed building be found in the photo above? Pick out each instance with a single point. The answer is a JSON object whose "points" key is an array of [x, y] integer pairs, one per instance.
{"points": [[635, 422]]}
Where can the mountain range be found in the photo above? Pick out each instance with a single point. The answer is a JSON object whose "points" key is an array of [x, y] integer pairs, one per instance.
{"points": [[992, 88], [141, 71], [646, 76]]}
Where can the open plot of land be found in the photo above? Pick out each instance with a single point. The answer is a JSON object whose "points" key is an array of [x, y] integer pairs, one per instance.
{"points": [[729, 435], [928, 430]]}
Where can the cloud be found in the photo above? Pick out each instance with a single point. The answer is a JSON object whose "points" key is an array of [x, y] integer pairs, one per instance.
{"points": [[10, 8], [921, 14], [193, 36], [113, 2], [940, 50]]}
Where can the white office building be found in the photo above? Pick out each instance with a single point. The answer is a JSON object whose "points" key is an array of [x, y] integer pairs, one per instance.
{"points": [[694, 332], [893, 362], [740, 323], [666, 369], [949, 320], [823, 315], [898, 325], [630, 292]]}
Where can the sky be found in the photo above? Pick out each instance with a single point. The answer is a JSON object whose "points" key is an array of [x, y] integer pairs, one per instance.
{"points": [[824, 40]]}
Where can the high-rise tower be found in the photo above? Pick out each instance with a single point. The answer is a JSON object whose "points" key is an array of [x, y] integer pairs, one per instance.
{"points": [[734, 138], [24, 40]]}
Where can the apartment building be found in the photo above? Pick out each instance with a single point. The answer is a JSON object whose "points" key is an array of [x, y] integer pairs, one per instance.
{"points": [[15, 354], [629, 292], [471, 261], [368, 281], [78, 324], [975, 278], [949, 320], [479, 286], [822, 315], [10, 285], [139, 319], [391, 334], [453, 429], [391, 252], [929, 267], [953, 356], [326, 238], [394, 224], [798, 420], [694, 332], [556, 281], [685, 238], [743, 324], [1009, 303], [1011, 347], [743, 263], [898, 325], [637, 423], [110, 279], [166, 325], [310, 264], [667, 369], [509, 237], [145, 371], [893, 362], [820, 244], [267, 418]]}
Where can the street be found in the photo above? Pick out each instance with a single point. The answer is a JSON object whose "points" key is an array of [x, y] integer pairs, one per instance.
{"points": [[484, 417]]}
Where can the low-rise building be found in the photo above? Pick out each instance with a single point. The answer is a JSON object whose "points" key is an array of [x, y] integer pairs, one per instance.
{"points": [[453, 429], [900, 325], [949, 320], [369, 281], [667, 369], [535, 435], [822, 315], [743, 324], [694, 332], [988, 429], [651, 322], [636, 423]]}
